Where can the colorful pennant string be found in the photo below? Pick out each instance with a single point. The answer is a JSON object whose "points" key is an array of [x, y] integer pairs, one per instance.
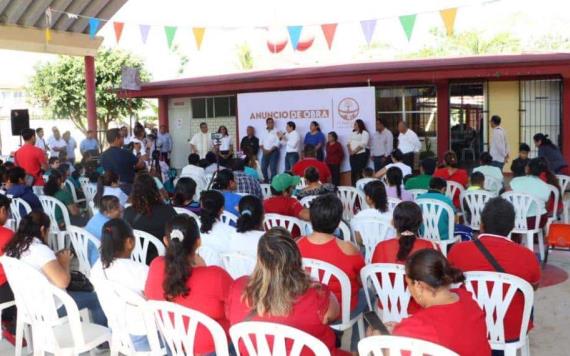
{"points": [[329, 30]]}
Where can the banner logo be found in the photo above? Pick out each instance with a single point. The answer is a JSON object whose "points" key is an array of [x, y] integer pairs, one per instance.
{"points": [[348, 109]]}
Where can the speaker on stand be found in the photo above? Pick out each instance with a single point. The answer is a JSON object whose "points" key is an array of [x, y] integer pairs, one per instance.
{"points": [[20, 120]]}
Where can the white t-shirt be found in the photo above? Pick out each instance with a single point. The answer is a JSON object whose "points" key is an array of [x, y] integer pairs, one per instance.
{"points": [[117, 192], [406, 170], [55, 143], [409, 142], [359, 141], [225, 143], [292, 141], [217, 240], [41, 143], [245, 243], [202, 142], [269, 139]]}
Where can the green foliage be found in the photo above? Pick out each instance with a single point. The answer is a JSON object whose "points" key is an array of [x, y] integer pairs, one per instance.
{"points": [[59, 87]]}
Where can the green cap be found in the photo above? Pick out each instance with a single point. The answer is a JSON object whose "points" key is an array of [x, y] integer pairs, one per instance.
{"points": [[283, 181]]}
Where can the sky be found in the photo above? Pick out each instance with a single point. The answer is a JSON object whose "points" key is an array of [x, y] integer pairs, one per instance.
{"points": [[232, 23]]}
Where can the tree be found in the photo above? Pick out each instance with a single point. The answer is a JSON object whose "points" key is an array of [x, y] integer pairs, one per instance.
{"points": [[59, 87]]}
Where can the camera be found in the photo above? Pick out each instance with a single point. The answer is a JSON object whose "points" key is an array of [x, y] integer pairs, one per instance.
{"points": [[216, 138]]}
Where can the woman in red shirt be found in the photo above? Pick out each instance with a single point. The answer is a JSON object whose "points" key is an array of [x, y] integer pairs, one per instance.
{"points": [[279, 291], [451, 172], [450, 317], [335, 155], [182, 277], [326, 213]]}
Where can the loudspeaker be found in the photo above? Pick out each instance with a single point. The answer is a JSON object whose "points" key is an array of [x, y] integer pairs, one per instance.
{"points": [[20, 120]]}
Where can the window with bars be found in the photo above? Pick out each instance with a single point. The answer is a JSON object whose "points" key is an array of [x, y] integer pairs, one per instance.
{"points": [[213, 107]]}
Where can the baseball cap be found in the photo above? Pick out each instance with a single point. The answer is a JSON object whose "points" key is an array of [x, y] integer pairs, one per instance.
{"points": [[283, 181]]}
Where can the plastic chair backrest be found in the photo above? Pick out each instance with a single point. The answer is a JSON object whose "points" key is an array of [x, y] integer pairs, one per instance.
{"points": [[306, 201], [453, 188], [83, 181], [397, 345], [16, 207], [228, 218], [492, 184], [50, 205], [142, 241], [287, 222], [416, 192], [522, 204], [389, 285], [178, 325], [432, 211], [554, 193], [80, 240], [265, 190], [473, 201], [371, 231], [210, 256], [71, 188], [185, 211], [494, 292], [38, 190], [286, 340], [361, 183], [238, 265], [392, 203], [563, 180], [349, 196], [90, 190], [322, 272]]}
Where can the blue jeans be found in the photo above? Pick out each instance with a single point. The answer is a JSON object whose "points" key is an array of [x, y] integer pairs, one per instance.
{"points": [[498, 164], [270, 161], [379, 162], [290, 159], [87, 300]]}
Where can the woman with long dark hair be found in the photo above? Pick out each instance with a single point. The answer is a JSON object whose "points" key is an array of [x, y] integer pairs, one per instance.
{"points": [[335, 155], [249, 226], [182, 277], [108, 184], [54, 188], [395, 188], [215, 234], [226, 147], [184, 193], [358, 150], [547, 149], [316, 138]]}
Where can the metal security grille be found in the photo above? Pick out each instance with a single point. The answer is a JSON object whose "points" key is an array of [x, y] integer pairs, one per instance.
{"points": [[540, 110]]}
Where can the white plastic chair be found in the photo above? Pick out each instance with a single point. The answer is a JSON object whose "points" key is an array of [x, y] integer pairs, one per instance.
{"points": [[563, 181], [472, 204], [397, 345], [228, 218], [185, 211], [350, 198], [389, 285], [80, 240], [432, 211], [416, 192], [493, 185], [120, 305], [265, 190], [522, 204], [361, 183], [16, 207], [36, 300], [210, 256], [302, 184], [287, 222], [71, 188], [392, 203], [494, 292], [83, 181], [238, 265], [38, 190], [453, 188], [142, 242], [92, 208], [306, 201], [57, 236], [178, 326], [89, 190], [323, 272], [280, 334], [371, 232]]}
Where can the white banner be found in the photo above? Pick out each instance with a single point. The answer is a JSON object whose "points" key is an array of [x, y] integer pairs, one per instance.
{"points": [[334, 110]]}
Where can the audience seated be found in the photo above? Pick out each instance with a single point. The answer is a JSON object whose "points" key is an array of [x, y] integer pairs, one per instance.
{"points": [[182, 277], [6, 295], [252, 166], [108, 184], [449, 317], [17, 188], [518, 166], [281, 201], [53, 163], [212, 164], [184, 194], [310, 160], [109, 208], [487, 167], [547, 176], [477, 181], [215, 234], [531, 184], [397, 161], [395, 187], [367, 177], [437, 187], [377, 200], [245, 184], [421, 181], [249, 227], [497, 221], [226, 184], [280, 291], [29, 245], [53, 188], [450, 171], [314, 185], [115, 265]]}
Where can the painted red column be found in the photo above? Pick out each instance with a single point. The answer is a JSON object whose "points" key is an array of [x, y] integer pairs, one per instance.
{"points": [[565, 129], [442, 118], [163, 111], [90, 93]]}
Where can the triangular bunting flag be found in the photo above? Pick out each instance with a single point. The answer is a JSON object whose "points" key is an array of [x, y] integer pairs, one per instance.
{"points": [[144, 32], [448, 17], [329, 30], [295, 35], [368, 27], [48, 34], [408, 22], [93, 26], [170, 31], [118, 26], [198, 35]]}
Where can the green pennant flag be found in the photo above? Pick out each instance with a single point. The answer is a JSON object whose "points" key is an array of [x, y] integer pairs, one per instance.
{"points": [[170, 32], [408, 22]]}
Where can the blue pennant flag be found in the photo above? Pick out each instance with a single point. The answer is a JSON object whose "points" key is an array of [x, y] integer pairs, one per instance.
{"points": [[93, 26], [295, 35]]}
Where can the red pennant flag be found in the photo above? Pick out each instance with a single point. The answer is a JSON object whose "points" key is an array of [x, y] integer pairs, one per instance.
{"points": [[329, 30], [118, 29]]}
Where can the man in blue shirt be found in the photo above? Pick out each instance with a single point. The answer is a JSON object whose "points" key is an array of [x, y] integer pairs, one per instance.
{"points": [[437, 187], [17, 188], [89, 145], [164, 143], [109, 208]]}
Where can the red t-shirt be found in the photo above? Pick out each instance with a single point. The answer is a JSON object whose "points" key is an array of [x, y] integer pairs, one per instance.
{"points": [[282, 205], [31, 158], [514, 258], [209, 288], [307, 314], [330, 252], [460, 176], [335, 153], [5, 237], [459, 326], [324, 171]]}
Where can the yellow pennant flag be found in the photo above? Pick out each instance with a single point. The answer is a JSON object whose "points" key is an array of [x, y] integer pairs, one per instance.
{"points": [[48, 35], [448, 17], [198, 35]]}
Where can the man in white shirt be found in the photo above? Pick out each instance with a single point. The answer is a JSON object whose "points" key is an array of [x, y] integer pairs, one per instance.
{"points": [[56, 143], [40, 141], [201, 142], [71, 145], [292, 141], [382, 145], [499, 146], [194, 171], [164, 143], [270, 148], [408, 143]]}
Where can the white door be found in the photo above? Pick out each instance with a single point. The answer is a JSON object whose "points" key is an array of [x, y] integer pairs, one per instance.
{"points": [[179, 118]]}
